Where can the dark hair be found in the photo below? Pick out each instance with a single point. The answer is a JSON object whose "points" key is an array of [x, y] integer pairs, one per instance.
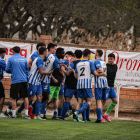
{"points": [[100, 52], [16, 49], [40, 44], [59, 50], [51, 45], [69, 53], [86, 52], [2, 50], [42, 50], [111, 55], [78, 53]]}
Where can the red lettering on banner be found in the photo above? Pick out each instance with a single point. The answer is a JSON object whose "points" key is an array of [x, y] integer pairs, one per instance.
{"points": [[6, 51], [138, 66], [11, 52], [122, 61], [117, 57], [128, 63], [23, 52]]}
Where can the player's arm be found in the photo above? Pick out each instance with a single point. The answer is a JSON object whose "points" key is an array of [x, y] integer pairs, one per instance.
{"points": [[99, 74], [100, 70], [30, 63], [54, 79], [8, 67], [75, 73]]}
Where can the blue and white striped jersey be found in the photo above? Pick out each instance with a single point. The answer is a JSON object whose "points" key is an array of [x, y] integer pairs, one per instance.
{"points": [[84, 70], [51, 62], [34, 75], [100, 81]]}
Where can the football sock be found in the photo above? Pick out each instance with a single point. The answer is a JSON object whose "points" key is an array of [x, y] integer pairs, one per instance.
{"points": [[21, 108], [13, 113], [48, 103], [10, 106], [33, 105], [55, 112], [83, 113], [84, 107], [30, 103], [65, 109], [110, 107], [43, 106], [70, 107], [99, 113], [87, 113], [45, 111], [59, 111], [26, 112], [8, 110], [37, 107]]}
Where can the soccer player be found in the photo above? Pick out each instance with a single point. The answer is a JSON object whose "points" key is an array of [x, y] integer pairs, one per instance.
{"points": [[18, 67], [72, 82], [35, 87], [35, 54], [69, 57], [2, 68], [84, 82], [111, 74], [101, 84], [55, 87], [50, 63]]}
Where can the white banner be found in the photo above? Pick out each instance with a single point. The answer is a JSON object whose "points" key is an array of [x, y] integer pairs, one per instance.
{"points": [[25, 51], [128, 67], [66, 48]]}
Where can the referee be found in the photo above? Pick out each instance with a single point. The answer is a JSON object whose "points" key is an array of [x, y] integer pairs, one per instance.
{"points": [[18, 67], [2, 68]]}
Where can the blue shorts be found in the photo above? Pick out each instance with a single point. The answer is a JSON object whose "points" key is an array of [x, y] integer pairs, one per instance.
{"points": [[34, 90], [45, 86], [101, 93], [112, 92], [84, 93], [63, 89], [70, 92]]}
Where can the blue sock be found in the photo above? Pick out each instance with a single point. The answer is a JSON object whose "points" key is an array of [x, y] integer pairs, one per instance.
{"points": [[21, 108], [30, 103], [48, 104], [37, 107], [99, 113], [70, 107], [65, 109], [45, 111], [43, 106], [84, 107], [55, 113], [59, 111], [87, 113], [83, 113], [10, 106], [33, 106]]}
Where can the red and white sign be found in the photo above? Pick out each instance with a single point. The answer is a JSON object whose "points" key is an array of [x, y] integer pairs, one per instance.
{"points": [[128, 67], [25, 51]]}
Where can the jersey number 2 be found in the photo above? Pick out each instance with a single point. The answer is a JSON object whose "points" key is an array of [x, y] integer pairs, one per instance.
{"points": [[82, 71]]}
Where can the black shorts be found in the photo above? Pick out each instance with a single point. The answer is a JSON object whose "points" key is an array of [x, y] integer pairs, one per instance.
{"points": [[19, 89], [1, 90]]}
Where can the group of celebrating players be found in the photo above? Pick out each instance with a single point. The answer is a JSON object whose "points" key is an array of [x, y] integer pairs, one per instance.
{"points": [[54, 76]]}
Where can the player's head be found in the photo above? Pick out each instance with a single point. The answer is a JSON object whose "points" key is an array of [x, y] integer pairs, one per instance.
{"points": [[78, 54], [16, 49], [86, 53], [69, 54], [98, 53], [40, 44], [2, 52], [43, 51], [111, 58], [60, 53], [52, 48]]}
